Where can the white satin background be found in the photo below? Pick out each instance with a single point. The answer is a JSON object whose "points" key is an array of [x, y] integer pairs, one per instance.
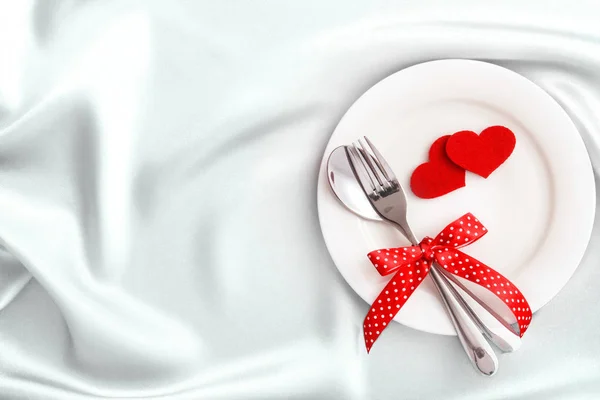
{"points": [[158, 223]]}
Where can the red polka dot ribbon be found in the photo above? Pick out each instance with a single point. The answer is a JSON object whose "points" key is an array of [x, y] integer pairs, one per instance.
{"points": [[410, 265]]}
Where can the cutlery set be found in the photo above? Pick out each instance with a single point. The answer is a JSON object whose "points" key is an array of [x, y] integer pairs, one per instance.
{"points": [[363, 181]]}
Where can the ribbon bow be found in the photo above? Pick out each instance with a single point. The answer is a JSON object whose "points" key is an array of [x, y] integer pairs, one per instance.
{"points": [[411, 265]]}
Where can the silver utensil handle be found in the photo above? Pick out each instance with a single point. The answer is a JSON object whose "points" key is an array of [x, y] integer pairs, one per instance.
{"points": [[493, 329], [477, 348]]}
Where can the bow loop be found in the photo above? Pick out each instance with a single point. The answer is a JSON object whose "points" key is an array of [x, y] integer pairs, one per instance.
{"points": [[387, 261], [464, 231]]}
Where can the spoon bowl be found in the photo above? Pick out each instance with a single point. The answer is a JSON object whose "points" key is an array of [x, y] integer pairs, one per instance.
{"points": [[344, 186]]}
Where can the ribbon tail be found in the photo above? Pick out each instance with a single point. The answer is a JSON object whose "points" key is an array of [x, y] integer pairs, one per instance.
{"points": [[464, 266], [392, 298], [476, 298]]}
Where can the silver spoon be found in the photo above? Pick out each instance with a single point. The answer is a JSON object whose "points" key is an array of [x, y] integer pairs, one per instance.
{"points": [[345, 187]]}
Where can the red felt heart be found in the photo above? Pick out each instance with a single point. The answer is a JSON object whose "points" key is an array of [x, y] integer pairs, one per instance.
{"points": [[438, 176], [482, 153]]}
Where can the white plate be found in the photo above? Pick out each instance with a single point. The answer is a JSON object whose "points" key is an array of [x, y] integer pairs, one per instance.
{"points": [[538, 206]]}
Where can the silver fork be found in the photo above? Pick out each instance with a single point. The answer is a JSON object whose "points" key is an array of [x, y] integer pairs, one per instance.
{"points": [[387, 197]]}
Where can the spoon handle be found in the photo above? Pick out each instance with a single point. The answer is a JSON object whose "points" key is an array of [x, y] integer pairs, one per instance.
{"points": [[493, 328], [469, 332], [478, 350]]}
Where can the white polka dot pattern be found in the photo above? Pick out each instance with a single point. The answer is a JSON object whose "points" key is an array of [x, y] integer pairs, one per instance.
{"points": [[410, 265]]}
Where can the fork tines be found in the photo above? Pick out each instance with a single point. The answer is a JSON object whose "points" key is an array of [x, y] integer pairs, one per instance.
{"points": [[375, 176]]}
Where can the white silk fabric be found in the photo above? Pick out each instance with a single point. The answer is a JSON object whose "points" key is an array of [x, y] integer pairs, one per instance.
{"points": [[158, 225]]}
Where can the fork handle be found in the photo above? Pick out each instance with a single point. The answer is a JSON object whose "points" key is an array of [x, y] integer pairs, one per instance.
{"points": [[477, 348]]}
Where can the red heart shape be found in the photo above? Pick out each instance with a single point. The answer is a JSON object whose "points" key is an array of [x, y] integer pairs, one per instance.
{"points": [[483, 153], [439, 176]]}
